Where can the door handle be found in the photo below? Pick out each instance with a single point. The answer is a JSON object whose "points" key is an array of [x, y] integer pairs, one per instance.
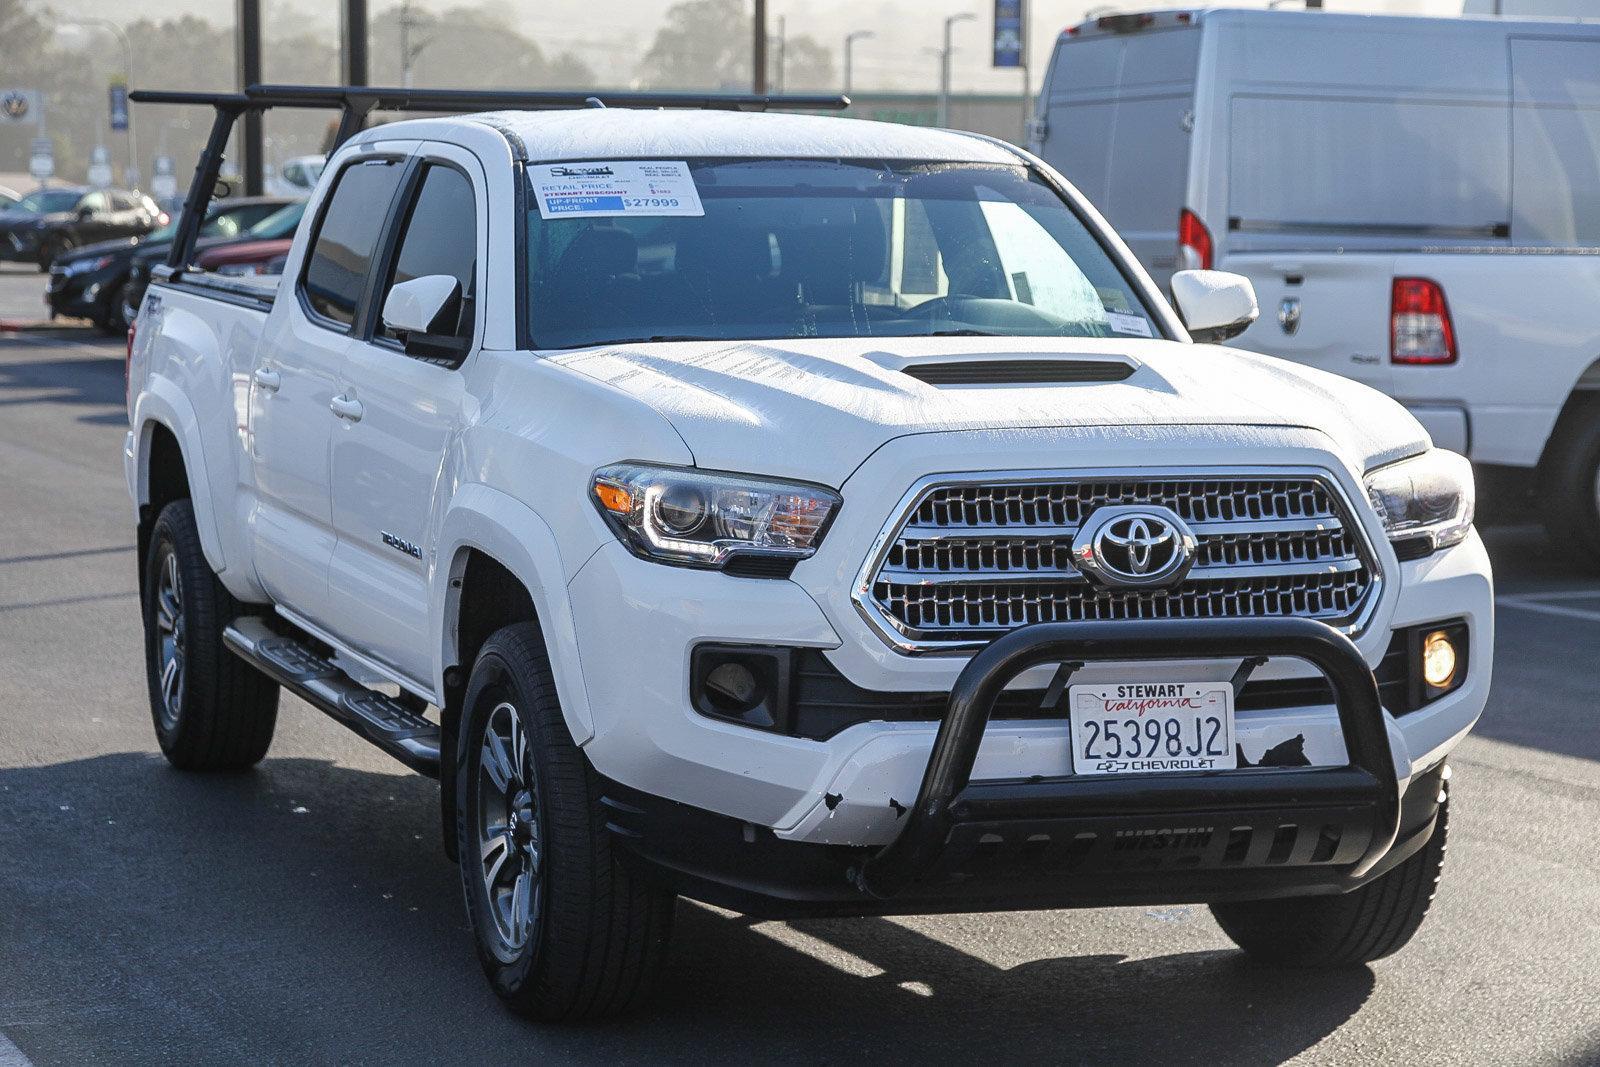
{"points": [[268, 379], [346, 407]]}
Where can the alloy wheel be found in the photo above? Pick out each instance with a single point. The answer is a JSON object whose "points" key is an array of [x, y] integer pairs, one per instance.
{"points": [[510, 841], [169, 637]]}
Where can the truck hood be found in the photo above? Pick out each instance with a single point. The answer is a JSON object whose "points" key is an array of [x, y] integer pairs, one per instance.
{"points": [[816, 408]]}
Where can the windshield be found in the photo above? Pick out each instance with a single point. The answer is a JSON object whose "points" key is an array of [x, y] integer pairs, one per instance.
{"points": [[280, 223], [831, 248], [48, 201]]}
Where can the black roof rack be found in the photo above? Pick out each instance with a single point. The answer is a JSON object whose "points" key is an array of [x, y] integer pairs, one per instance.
{"points": [[356, 102]]}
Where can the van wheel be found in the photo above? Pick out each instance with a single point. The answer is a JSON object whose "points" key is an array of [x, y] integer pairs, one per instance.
{"points": [[1569, 486], [212, 711], [562, 930], [1347, 930]]}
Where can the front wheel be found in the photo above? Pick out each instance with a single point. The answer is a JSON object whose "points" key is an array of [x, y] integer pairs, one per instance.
{"points": [[212, 711], [1367, 924], [562, 930]]}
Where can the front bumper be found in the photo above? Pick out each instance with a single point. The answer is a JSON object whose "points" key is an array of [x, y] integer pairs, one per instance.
{"points": [[86, 295], [1067, 840]]}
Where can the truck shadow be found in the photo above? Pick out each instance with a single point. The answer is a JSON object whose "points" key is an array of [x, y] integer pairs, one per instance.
{"points": [[305, 912], [84, 381]]}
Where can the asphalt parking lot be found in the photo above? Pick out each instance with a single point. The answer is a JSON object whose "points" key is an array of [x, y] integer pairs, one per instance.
{"points": [[305, 913]]}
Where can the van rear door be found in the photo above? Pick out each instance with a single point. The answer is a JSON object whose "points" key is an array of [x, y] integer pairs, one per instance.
{"points": [[1117, 110]]}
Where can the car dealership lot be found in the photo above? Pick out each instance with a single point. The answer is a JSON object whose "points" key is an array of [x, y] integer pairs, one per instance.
{"points": [[305, 912]]}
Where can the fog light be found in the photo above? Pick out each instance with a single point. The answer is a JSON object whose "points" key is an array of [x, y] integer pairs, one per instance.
{"points": [[1438, 660], [733, 689]]}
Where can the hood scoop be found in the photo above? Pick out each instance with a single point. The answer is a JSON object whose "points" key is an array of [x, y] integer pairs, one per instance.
{"points": [[1019, 371]]}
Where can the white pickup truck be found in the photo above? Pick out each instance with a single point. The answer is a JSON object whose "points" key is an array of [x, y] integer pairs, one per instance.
{"points": [[810, 517]]}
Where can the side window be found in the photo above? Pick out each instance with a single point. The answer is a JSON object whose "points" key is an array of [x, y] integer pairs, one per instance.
{"points": [[95, 202], [441, 237], [339, 260]]}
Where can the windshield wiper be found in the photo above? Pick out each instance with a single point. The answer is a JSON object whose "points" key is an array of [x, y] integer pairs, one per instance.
{"points": [[962, 332], [656, 337]]}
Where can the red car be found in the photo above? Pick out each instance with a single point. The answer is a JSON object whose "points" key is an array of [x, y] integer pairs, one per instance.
{"points": [[247, 257]]}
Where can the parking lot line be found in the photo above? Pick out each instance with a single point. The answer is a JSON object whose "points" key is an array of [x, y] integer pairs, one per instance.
{"points": [[1530, 603], [11, 1055]]}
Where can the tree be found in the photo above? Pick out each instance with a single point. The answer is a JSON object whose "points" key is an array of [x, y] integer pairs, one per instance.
{"points": [[705, 44]]}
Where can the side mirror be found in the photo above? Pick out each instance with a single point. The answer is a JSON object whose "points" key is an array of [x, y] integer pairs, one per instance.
{"points": [[1214, 304], [420, 312], [85, 214]]}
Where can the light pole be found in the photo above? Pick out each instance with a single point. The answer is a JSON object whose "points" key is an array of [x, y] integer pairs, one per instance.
{"points": [[758, 51], [944, 66], [849, 40], [408, 51], [127, 51]]}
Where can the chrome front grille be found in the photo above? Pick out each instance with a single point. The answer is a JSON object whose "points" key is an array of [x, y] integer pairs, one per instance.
{"points": [[971, 560]]}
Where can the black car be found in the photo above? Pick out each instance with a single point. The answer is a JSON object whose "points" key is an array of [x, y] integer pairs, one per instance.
{"points": [[105, 282], [48, 223]]}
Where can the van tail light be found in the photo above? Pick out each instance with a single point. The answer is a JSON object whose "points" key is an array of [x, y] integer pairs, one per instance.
{"points": [[1194, 243], [1420, 330]]}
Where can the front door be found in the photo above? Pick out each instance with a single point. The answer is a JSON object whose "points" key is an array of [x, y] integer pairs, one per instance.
{"points": [[390, 468], [294, 390]]}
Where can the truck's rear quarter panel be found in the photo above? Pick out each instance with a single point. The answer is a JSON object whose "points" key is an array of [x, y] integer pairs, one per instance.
{"points": [[189, 372]]}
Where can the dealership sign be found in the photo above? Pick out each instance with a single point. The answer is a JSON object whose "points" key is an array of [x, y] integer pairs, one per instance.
{"points": [[1008, 33], [19, 106]]}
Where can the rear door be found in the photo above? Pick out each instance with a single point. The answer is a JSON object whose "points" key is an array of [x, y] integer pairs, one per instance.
{"points": [[389, 464], [296, 380], [1118, 121]]}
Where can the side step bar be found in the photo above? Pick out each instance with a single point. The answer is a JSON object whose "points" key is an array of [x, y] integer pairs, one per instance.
{"points": [[383, 720]]}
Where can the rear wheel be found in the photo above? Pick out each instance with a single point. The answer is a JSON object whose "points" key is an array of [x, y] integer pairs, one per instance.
{"points": [[562, 930], [212, 711], [1343, 931], [53, 249], [1570, 482], [116, 321]]}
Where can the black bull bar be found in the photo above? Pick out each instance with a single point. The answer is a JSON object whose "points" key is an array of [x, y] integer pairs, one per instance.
{"points": [[1365, 790]]}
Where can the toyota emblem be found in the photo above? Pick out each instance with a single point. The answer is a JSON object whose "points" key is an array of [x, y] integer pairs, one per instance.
{"points": [[1134, 546]]}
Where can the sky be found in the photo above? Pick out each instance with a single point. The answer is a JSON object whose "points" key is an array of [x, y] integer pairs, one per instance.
{"points": [[613, 34]]}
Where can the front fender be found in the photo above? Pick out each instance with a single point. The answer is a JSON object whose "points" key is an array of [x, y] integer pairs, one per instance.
{"points": [[508, 530]]}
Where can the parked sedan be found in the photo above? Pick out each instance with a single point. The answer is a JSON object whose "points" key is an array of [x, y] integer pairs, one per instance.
{"points": [[279, 224], [48, 223], [244, 258], [94, 282]]}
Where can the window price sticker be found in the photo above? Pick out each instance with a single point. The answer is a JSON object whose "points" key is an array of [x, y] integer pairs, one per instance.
{"points": [[614, 188]]}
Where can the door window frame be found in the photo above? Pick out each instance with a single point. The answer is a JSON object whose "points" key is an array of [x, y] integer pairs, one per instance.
{"points": [[313, 316], [388, 255]]}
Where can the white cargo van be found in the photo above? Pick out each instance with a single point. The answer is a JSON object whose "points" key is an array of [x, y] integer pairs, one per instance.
{"points": [[1417, 201]]}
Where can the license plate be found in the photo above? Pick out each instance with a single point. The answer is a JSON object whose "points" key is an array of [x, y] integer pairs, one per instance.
{"points": [[1152, 727]]}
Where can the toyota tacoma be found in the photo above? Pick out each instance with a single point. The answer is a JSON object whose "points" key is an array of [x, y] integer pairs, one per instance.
{"points": [[803, 515]]}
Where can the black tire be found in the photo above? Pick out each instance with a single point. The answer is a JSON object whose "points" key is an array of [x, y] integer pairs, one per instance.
{"points": [[1569, 483], [1343, 931], [595, 936], [53, 249], [216, 713], [115, 321]]}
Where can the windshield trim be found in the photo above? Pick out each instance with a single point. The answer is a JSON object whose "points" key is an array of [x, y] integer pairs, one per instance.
{"points": [[1147, 294]]}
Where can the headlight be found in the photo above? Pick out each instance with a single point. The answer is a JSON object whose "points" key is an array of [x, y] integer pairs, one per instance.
{"points": [[1426, 501], [84, 266], [689, 517]]}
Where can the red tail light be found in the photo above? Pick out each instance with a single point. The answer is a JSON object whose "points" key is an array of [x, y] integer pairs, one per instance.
{"points": [[1420, 330], [1194, 243]]}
